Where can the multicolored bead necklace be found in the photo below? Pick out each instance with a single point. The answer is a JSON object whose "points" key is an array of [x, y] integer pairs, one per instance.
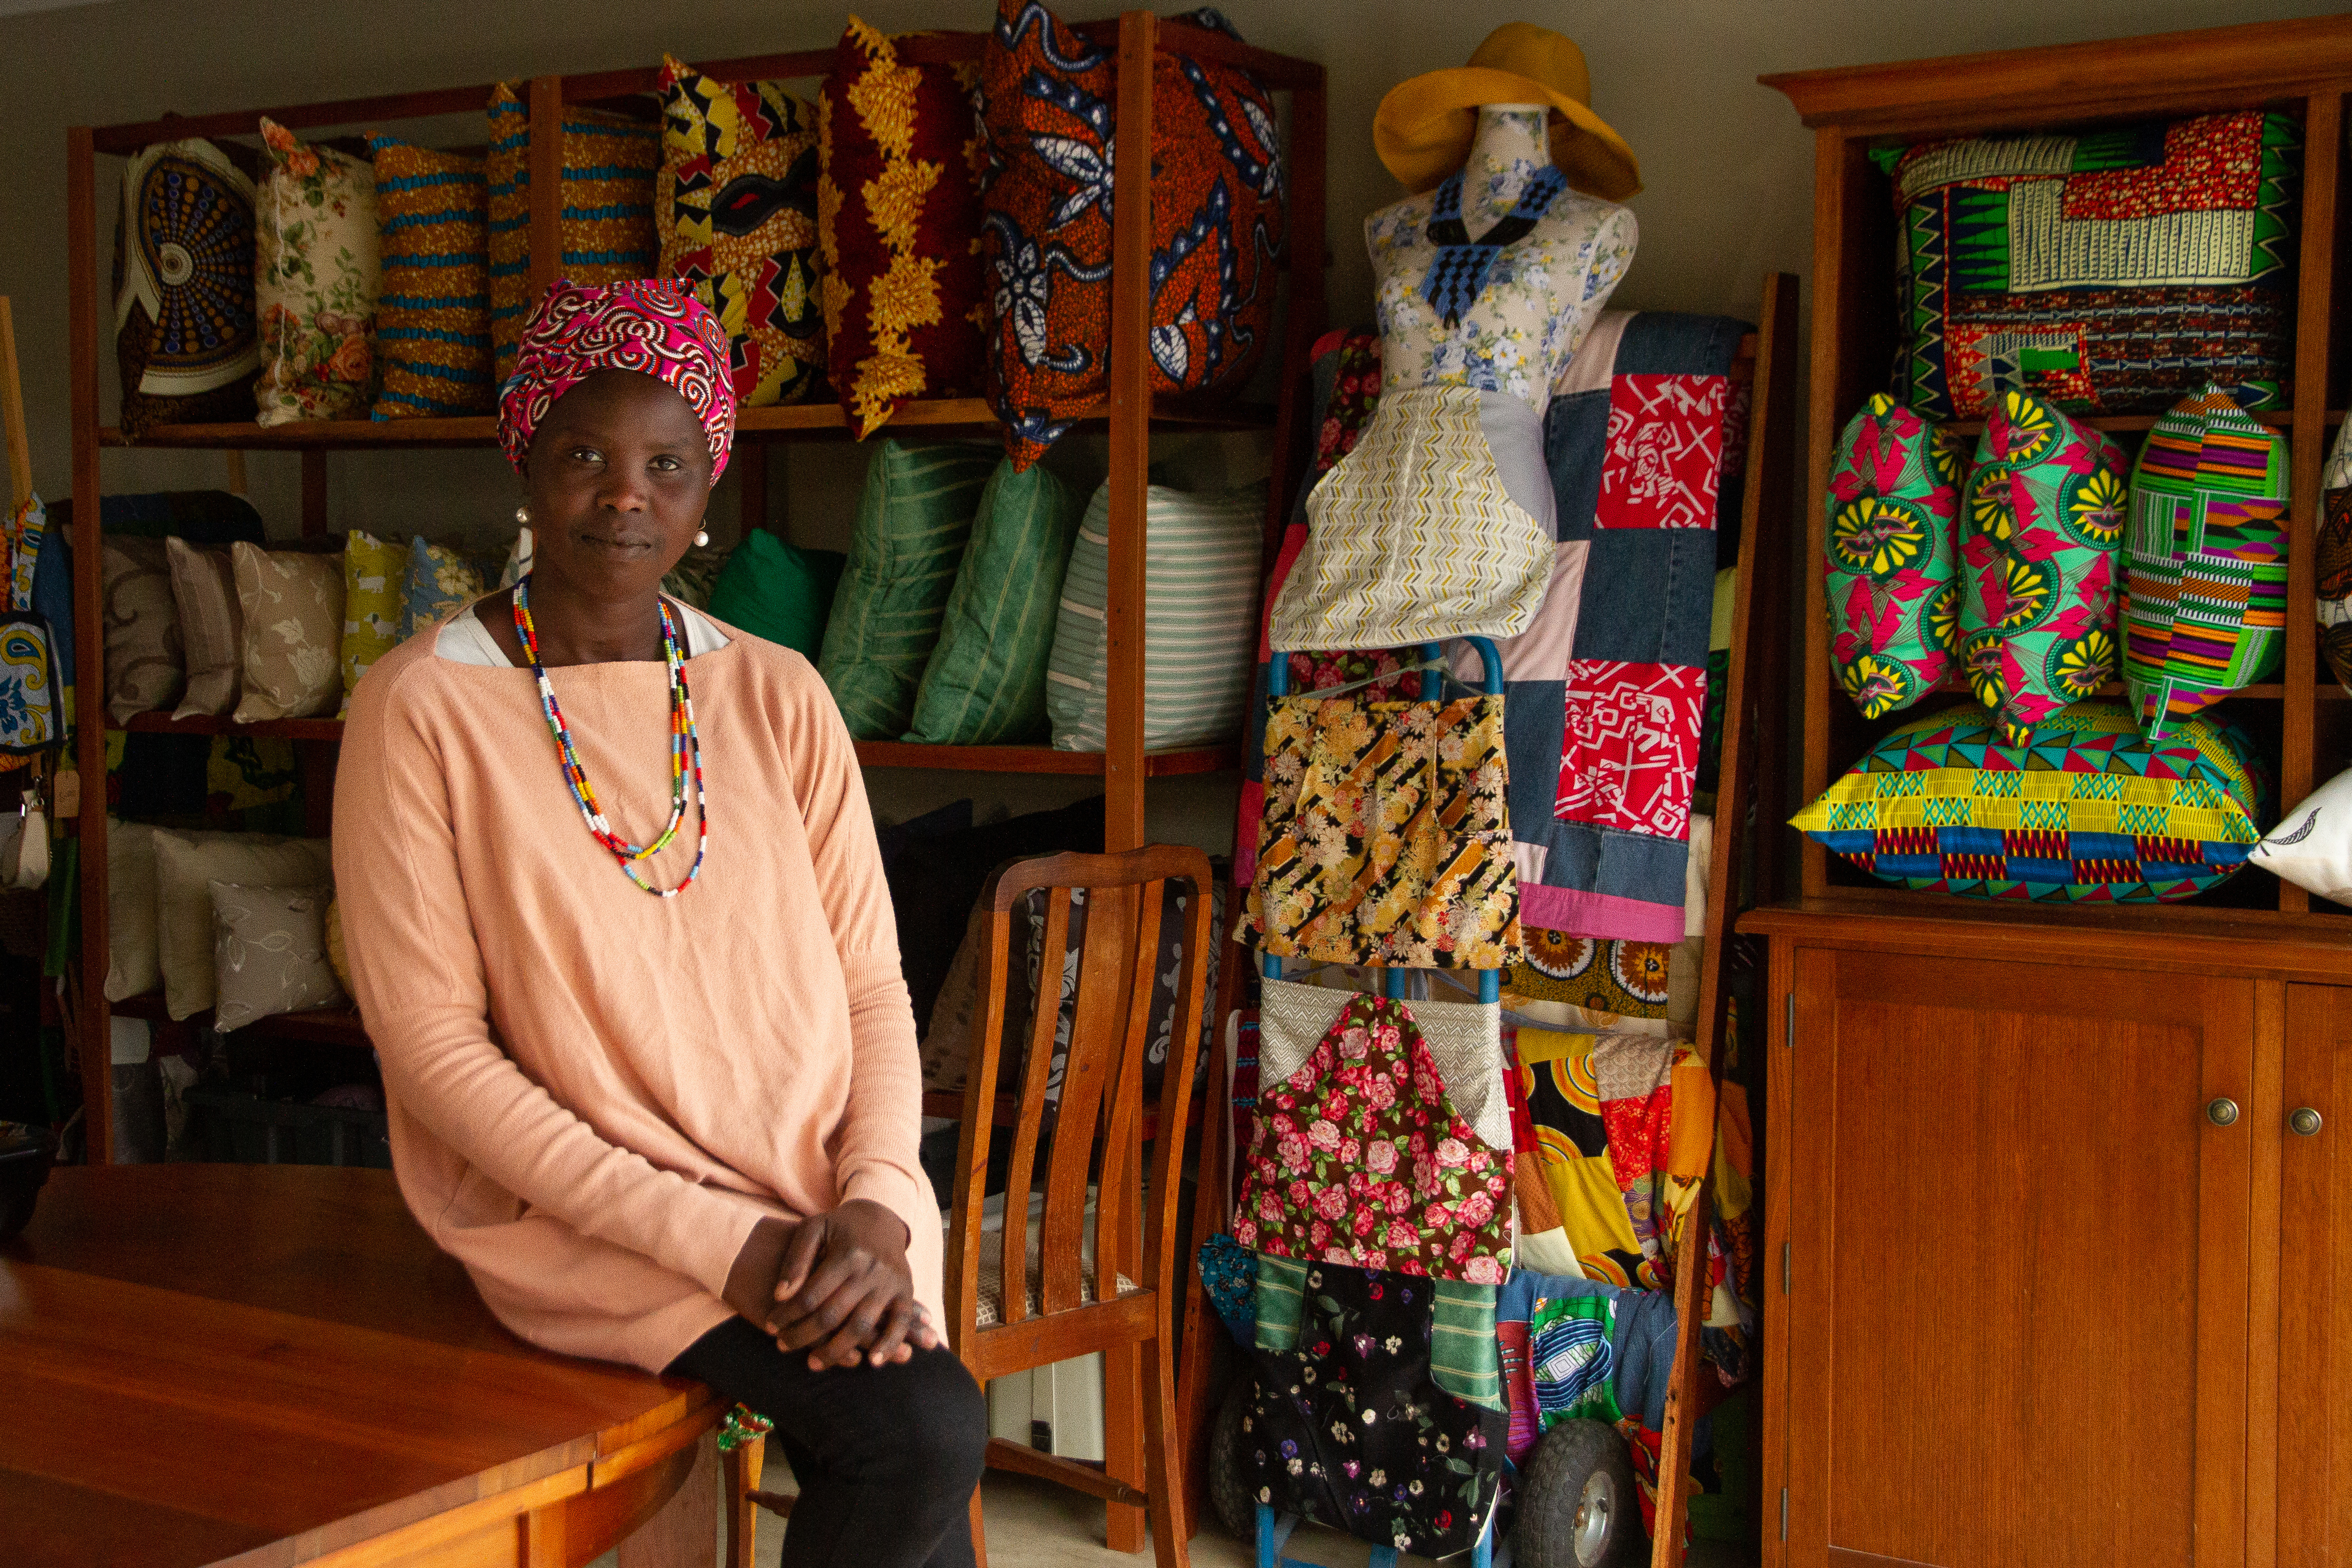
{"points": [[685, 754]]}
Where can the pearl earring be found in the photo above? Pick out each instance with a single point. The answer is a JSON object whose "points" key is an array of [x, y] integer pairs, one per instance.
{"points": [[523, 517], [702, 536]]}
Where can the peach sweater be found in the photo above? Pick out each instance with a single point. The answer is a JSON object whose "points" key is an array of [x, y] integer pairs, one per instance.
{"points": [[594, 1093]]}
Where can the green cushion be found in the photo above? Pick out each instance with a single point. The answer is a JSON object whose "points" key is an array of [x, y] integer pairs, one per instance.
{"points": [[986, 680], [778, 591], [912, 524]]}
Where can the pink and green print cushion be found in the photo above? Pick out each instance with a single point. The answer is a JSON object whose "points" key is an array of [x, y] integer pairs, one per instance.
{"points": [[2041, 520], [2206, 608], [2086, 811], [1895, 495]]}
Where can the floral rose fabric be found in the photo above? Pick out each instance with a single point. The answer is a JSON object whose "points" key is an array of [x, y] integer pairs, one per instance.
{"points": [[1895, 495], [315, 271], [1361, 1159]]}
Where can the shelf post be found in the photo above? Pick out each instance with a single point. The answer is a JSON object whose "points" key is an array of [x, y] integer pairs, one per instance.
{"points": [[1130, 439], [93, 1034], [546, 161], [2322, 139]]}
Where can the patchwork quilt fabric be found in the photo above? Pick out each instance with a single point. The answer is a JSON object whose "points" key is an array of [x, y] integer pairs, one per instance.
{"points": [[2110, 272]]}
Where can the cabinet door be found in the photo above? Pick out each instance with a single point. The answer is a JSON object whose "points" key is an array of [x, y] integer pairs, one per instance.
{"points": [[2018, 1305], [2315, 1304]]}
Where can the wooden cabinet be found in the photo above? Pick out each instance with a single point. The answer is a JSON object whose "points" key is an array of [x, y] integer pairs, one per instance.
{"points": [[2314, 1361]]}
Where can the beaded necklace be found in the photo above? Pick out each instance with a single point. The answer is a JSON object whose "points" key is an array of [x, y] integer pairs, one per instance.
{"points": [[684, 745]]}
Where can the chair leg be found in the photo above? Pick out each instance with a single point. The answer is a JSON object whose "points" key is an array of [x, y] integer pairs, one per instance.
{"points": [[1123, 1395], [743, 1464], [1162, 1457], [979, 1534]]}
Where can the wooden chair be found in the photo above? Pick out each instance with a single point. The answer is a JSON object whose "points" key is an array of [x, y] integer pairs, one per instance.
{"points": [[1015, 1302]]}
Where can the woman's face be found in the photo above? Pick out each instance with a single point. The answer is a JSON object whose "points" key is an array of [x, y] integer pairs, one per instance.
{"points": [[619, 474]]}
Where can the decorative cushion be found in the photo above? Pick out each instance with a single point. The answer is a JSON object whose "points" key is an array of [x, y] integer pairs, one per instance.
{"points": [[1029, 949], [186, 865], [145, 662], [606, 229], [946, 1045], [986, 680], [2085, 810], [132, 968], [696, 577], [204, 590], [1048, 102], [735, 208], [912, 524], [337, 959], [2312, 845], [432, 311], [778, 591], [437, 580], [293, 607], [906, 292], [269, 952], [375, 572], [184, 335], [518, 564], [315, 278], [2042, 514], [2110, 272], [1200, 590], [1893, 498], [2335, 562], [2206, 610]]}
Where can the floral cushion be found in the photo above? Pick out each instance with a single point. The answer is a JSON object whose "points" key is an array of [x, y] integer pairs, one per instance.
{"points": [[315, 275], [1048, 105], [375, 572], [906, 292], [437, 580], [269, 952], [186, 339], [735, 208], [1895, 495], [2206, 610], [433, 306], [2041, 519], [292, 602]]}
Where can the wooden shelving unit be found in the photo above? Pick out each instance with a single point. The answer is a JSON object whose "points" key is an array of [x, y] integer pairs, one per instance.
{"points": [[1129, 415]]}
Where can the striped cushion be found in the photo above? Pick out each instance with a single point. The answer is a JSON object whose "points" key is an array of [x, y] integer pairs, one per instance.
{"points": [[606, 227], [432, 316], [1200, 613]]}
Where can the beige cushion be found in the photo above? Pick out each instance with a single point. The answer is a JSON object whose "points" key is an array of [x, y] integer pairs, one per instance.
{"points": [[293, 607], [186, 865], [131, 969], [269, 952], [956, 1011], [204, 590], [144, 668], [992, 1284]]}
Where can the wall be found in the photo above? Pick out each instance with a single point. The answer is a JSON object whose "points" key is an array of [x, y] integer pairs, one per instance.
{"points": [[1728, 168]]}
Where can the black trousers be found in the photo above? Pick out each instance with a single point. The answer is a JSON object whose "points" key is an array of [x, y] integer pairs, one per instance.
{"points": [[885, 1456]]}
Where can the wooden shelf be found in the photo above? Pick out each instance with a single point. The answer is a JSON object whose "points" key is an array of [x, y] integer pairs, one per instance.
{"points": [[1040, 759], [162, 723], [2276, 418], [2268, 691], [322, 1026]]}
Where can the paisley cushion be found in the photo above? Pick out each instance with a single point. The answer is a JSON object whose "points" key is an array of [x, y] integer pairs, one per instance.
{"points": [[1895, 495]]}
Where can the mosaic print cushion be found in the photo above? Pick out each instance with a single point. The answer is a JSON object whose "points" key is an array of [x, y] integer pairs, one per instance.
{"points": [[433, 308], [186, 337], [2110, 272], [315, 279], [1048, 102], [2041, 520], [2086, 810], [735, 206], [375, 571], [1894, 497], [906, 291], [606, 227], [2206, 608], [2334, 564]]}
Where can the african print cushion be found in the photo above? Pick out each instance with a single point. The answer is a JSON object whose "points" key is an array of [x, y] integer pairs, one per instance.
{"points": [[315, 281], [2206, 608], [1384, 1136], [2110, 272], [1611, 982], [2041, 520], [2086, 810], [2335, 562], [186, 337], [433, 307], [906, 291], [375, 572], [735, 208], [985, 683], [605, 229], [1386, 836], [292, 605], [1048, 102], [1894, 497], [437, 582]]}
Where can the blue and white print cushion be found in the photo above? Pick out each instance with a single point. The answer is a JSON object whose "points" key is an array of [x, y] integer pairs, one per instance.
{"points": [[2312, 845]]}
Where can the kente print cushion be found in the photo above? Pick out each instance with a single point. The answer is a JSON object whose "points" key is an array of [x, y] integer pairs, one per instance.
{"points": [[2086, 811], [1895, 495], [2111, 272], [2206, 609], [735, 206], [433, 309], [2041, 520], [186, 339]]}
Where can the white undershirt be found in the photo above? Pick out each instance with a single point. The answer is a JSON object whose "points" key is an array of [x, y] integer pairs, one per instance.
{"points": [[465, 640]]}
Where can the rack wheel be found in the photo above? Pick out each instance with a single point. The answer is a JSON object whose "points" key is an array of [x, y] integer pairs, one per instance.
{"points": [[1578, 1508], [1231, 1497]]}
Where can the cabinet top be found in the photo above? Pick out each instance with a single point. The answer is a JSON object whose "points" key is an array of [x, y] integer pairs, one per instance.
{"points": [[2213, 67]]}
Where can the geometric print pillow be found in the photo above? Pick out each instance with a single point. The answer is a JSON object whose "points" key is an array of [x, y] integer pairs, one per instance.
{"points": [[1893, 498]]}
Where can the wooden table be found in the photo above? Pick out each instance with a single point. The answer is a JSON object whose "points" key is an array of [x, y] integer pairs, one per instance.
{"points": [[267, 1365]]}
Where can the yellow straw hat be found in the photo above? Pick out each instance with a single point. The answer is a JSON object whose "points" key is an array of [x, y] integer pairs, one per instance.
{"points": [[1425, 126]]}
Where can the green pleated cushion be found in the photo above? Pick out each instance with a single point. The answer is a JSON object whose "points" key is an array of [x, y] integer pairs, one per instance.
{"points": [[912, 525], [986, 682], [778, 591]]}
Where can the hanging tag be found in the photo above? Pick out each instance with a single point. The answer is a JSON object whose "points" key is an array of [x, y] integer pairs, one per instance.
{"points": [[65, 795]]}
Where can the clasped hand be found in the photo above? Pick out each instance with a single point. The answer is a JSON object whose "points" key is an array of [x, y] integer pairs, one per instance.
{"points": [[835, 1284]]}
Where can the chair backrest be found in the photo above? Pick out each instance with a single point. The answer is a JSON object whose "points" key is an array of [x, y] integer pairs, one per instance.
{"points": [[1098, 1117]]}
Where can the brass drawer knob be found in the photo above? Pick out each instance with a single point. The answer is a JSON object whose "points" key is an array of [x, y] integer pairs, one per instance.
{"points": [[2305, 1120], [2222, 1111]]}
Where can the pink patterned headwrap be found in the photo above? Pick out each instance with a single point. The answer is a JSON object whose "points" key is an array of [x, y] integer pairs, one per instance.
{"points": [[651, 326]]}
